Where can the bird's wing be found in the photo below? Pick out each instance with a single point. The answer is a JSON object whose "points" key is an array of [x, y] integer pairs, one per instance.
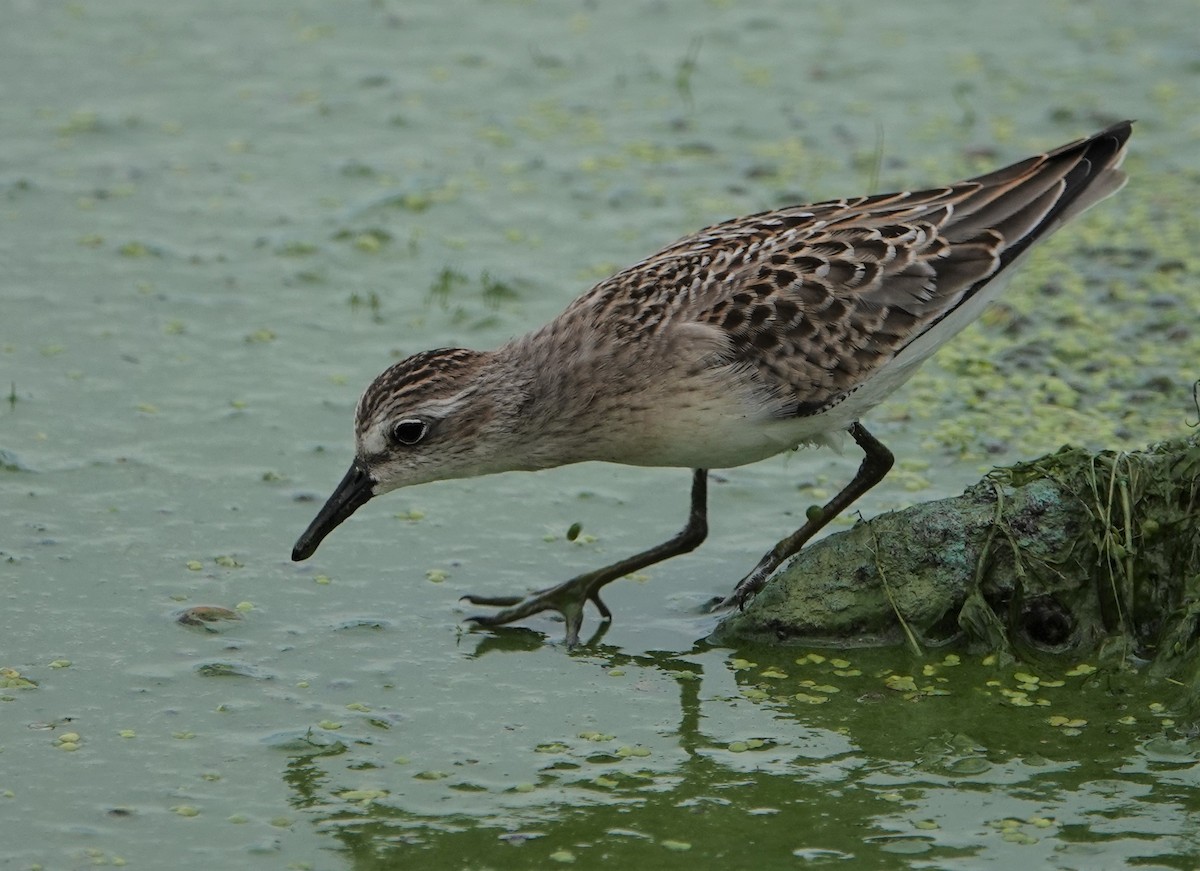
{"points": [[817, 299]]}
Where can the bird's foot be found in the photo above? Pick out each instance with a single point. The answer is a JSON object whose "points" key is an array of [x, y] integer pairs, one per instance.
{"points": [[567, 598], [747, 588]]}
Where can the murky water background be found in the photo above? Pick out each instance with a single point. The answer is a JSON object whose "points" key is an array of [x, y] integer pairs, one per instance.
{"points": [[219, 221]]}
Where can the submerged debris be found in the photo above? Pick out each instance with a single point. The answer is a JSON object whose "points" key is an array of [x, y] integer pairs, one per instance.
{"points": [[204, 615]]}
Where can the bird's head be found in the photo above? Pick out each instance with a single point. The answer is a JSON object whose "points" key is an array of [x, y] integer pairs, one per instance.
{"points": [[426, 418]]}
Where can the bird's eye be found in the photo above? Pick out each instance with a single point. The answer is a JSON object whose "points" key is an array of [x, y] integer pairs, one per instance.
{"points": [[409, 432]]}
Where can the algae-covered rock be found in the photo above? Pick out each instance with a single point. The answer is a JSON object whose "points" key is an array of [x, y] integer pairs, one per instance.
{"points": [[1073, 553]]}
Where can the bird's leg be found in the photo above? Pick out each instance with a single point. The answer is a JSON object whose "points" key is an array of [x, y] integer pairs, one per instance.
{"points": [[569, 597], [877, 460]]}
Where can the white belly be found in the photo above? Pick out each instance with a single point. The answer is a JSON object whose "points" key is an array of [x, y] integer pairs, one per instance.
{"points": [[723, 428], [722, 432]]}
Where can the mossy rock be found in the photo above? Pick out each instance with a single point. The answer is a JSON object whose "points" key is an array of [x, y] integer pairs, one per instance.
{"points": [[1075, 554]]}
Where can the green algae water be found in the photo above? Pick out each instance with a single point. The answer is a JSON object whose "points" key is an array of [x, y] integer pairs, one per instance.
{"points": [[218, 222]]}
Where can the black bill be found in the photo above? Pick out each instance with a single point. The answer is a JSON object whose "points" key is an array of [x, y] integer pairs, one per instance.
{"points": [[350, 494]]}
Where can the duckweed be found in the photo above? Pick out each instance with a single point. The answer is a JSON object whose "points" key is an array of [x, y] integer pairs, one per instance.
{"points": [[363, 796], [430, 775], [11, 679], [809, 699]]}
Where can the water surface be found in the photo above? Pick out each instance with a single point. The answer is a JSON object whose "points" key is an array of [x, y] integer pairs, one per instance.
{"points": [[218, 222]]}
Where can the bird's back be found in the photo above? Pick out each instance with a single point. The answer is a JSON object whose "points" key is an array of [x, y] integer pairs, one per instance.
{"points": [[818, 300]]}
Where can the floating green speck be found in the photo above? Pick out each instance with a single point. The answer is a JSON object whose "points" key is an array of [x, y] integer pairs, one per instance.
{"points": [[628, 750], [969, 766], [260, 336], [810, 699], [363, 795], [596, 736], [1019, 838]]}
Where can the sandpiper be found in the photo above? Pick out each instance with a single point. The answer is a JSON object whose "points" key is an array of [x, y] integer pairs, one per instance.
{"points": [[746, 339]]}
